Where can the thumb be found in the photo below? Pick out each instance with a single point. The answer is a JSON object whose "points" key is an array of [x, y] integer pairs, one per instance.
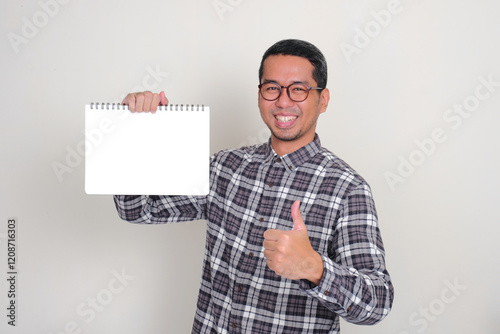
{"points": [[298, 222], [163, 99]]}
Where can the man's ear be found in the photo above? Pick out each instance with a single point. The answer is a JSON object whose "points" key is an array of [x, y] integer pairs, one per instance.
{"points": [[324, 98]]}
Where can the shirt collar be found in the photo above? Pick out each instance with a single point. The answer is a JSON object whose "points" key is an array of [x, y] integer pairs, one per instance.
{"points": [[294, 159]]}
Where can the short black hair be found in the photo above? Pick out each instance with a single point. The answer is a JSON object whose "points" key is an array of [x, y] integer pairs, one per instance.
{"points": [[299, 48]]}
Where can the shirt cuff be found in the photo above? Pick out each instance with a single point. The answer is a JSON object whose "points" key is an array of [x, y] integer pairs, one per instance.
{"points": [[331, 290]]}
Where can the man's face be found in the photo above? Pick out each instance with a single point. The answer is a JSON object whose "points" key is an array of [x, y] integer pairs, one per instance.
{"points": [[292, 124]]}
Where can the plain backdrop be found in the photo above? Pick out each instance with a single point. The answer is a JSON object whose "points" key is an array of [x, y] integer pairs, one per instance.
{"points": [[415, 88]]}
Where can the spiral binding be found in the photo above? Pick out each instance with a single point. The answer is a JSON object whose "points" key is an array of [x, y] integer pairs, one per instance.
{"points": [[169, 107]]}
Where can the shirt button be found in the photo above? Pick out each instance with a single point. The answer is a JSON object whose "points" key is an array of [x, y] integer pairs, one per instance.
{"points": [[251, 254], [327, 293], [270, 184], [278, 160], [240, 288], [234, 325], [290, 167], [261, 219]]}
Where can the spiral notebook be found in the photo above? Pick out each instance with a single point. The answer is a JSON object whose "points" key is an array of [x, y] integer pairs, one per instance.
{"points": [[166, 153]]}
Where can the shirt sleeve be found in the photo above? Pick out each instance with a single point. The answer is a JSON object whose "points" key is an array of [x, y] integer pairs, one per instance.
{"points": [[355, 283], [160, 209]]}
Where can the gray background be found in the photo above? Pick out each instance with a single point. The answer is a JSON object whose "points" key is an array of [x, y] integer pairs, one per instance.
{"points": [[397, 81]]}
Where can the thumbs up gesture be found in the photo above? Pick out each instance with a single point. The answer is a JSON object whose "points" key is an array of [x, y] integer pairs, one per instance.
{"points": [[290, 254]]}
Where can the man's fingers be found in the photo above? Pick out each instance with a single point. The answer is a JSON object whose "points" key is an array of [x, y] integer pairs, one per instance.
{"points": [[139, 103], [272, 234], [267, 254], [148, 101], [129, 100], [163, 99], [269, 245], [154, 103], [144, 101]]}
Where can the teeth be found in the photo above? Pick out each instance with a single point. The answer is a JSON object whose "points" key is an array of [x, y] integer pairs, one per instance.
{"points": [[285, 118]]}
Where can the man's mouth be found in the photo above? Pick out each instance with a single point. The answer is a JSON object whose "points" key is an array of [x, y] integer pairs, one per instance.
{"points": [[285, 119]]}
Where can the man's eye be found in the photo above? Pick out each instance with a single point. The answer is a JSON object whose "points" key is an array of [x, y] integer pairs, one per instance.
{"points": [[299, 89]]}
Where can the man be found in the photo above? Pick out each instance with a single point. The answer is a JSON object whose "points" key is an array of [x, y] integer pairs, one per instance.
{"points": [[292, 235]]}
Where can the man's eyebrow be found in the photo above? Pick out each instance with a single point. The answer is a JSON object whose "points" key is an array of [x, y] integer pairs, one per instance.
{"points": [[294, 82], [302, 82]]}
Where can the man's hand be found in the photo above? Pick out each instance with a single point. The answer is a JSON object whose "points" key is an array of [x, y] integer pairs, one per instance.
{"points": [[290, 254], [145, 101]]}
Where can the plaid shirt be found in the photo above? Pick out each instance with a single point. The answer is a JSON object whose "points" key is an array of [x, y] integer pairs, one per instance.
{"points": [[252, 190]]}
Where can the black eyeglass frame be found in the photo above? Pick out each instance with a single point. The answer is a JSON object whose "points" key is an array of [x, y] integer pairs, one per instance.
{"points": [[287, 90]]}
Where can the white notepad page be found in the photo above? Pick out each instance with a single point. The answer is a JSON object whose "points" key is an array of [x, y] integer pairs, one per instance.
{"points": [[166, 153]]}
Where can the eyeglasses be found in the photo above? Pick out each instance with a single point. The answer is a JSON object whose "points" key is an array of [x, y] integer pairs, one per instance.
{"points": [[297, 92]]}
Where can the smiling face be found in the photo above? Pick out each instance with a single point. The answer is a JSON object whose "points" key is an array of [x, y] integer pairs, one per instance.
{"points": [[292, 124]]}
